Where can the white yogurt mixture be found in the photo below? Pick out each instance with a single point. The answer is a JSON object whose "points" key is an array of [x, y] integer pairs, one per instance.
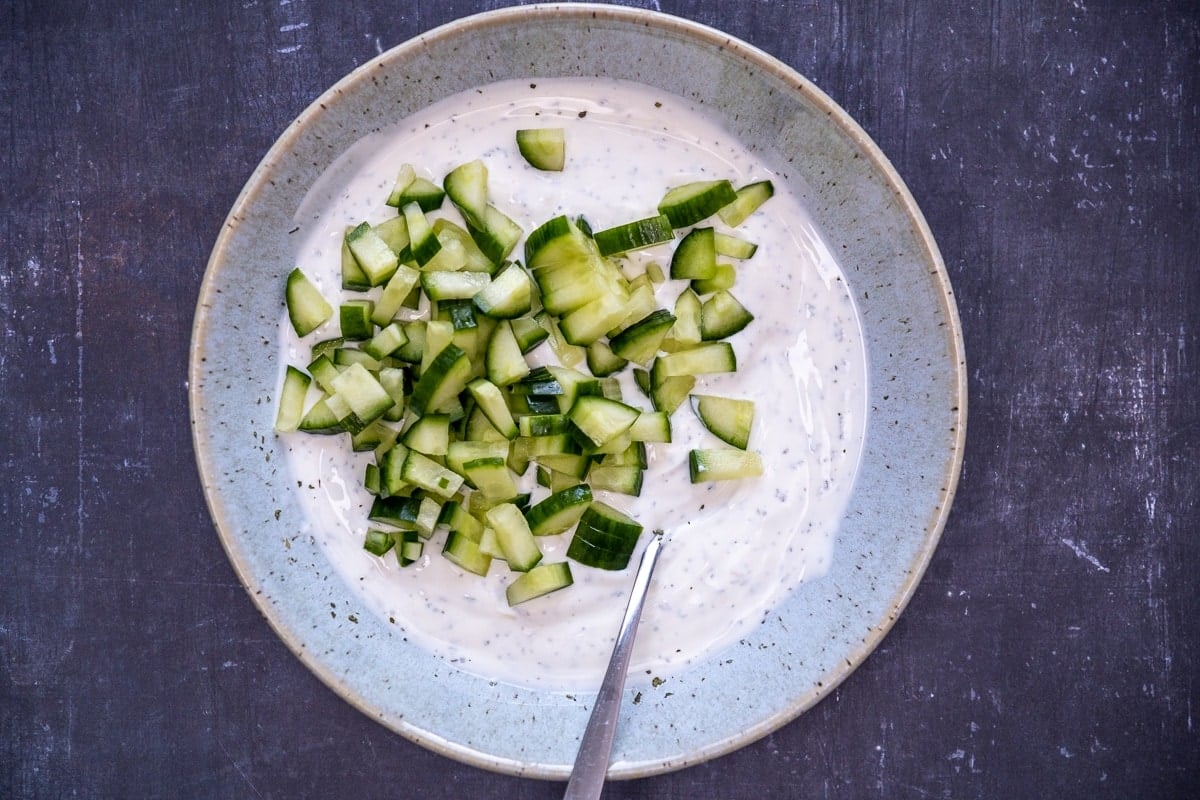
{"points": [[733, 549]]}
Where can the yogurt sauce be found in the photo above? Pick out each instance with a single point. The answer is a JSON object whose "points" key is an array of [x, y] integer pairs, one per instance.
{"points": [[733, 549]]}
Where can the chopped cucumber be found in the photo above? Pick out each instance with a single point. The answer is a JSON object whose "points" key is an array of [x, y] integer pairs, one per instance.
{"points": [[521, 550], [728, 418], [291, 399], [509, 295], [640, 342], [696, 255], [604, 537], [543, 148], [307, 309], [376, 259], [688, 204], [466, 185], [745, 202], [541, 580], [722, 315], [559, 511], [723, 465], [430, 371], [634, 235]]}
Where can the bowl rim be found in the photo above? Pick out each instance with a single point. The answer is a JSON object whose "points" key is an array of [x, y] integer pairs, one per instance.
{"points": [[758, 59]]}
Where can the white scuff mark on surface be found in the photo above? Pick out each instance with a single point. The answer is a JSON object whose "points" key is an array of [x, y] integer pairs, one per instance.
{"points": [[289, 49], [294, 26], [1081, 551]]}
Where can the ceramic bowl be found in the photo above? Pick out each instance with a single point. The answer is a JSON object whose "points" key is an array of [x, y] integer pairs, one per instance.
{"points": [[915, 428]]}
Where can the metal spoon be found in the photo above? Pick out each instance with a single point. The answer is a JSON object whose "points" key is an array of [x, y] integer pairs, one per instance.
{"points": [[591, 763]]}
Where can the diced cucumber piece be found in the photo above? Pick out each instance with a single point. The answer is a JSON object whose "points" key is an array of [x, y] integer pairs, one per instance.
{"points": [[386, 342], [291, 399], [723, 277], [508, 296], [491, 401], [422, 240], [588, 323], [528, 333], [604, 538], [394, 293], [745, 202], [723, 465], [466, 185], [404, 178], [634, 235], [688, 310], [422, 191], [319, 419], [729, 419], [413, 350], [446, 376], [422, 471], [695, 256], [307, 308], [633, 455], [460, 453], [377, 542], [722, 315], [622, 479], [454, 285], [492, 477], [504, 361], [666, 392], [409, 547], [521, 550], [390, 466], [429, 434], [561, 240], [704, 359], [376, 259], [573, 464], [471, 258], [372, 437], [651, 426], [543, 424], [399, 512], [599, 420], [602, 361], [543, 148], [362, 393], [640, 342], [458, 519], [559, 511], [353, 277], [464, 552], [541, 580], [489, 544], [354, 316], [346, 356], [688, 204], [497, 236], [732, 246]]}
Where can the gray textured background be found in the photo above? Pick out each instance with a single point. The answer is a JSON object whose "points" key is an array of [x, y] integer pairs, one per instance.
{"points": [[1050, 651]]}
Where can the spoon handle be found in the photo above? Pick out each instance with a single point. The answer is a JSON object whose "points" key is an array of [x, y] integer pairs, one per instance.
{"points": [[591, 763]]}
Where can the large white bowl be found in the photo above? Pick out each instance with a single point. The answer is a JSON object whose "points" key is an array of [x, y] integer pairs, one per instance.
{"points": [[915, 430]]}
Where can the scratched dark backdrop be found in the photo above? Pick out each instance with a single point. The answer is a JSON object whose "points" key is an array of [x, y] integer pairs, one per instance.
{"points": [[1050, 651]]}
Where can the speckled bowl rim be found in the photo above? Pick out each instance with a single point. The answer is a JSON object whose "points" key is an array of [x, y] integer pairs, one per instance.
{"points": [[758, 60]]}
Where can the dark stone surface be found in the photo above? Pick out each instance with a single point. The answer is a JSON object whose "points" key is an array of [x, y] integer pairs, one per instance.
{"points": [[1051, 649]]}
